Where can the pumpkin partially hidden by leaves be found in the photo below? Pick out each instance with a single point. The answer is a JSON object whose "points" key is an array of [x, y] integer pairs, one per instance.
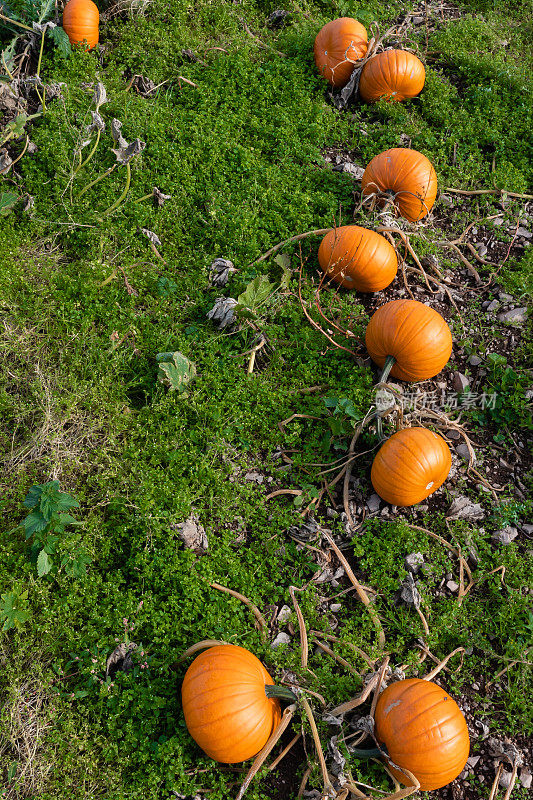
{"points": [[410, 466], [404, 177], [80, 22], [338, 44], [358, 258], [414, 334], [394, 74], [424, 731], [225, 703]]}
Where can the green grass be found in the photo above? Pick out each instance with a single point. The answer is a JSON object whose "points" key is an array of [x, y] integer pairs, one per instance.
{"points": [[241, 156]]}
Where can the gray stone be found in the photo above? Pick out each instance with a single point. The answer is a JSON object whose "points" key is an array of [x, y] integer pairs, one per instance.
{"points": [[460, 382], [505, 298], [446, 200], [281, 638], [525, 234], [528, 529], [255, 477], [482, 250], [335, 607], [284, 614], [193, 535], [505, 536], [474, 361], [462, 450], [516, 316], [413, 562], [453, 434], [463, 508], [525, 778], [452, 586], [351, 169], [373, 503], [493, 305]]}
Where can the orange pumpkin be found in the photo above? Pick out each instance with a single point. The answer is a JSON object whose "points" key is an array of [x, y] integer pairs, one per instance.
{"points": [[414, 335], [394, 74], [424, 731], [406, 178], [229, 703], [338, 44], [80, 22], [410, 466], [357, 258]]}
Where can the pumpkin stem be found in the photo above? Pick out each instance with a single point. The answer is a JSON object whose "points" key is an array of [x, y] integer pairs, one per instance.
{"points": [[371, 752], [282, 692], [390, 361]]}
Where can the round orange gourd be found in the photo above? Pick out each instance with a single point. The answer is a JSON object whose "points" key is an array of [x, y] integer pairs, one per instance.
{"points": [[357, 258], [225, 703], [394, 74], [424, 731], [415, 335], [410, 466], [338, 44], [80, 22], [404, 176]]}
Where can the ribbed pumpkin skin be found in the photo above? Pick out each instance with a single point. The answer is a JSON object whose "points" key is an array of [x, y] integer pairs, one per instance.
{"points": [[394, 74], [408, 176], [424, 731], [357, 258], [339, 39], [416, 335], [226, 710], [80, 22], [410, 466]]}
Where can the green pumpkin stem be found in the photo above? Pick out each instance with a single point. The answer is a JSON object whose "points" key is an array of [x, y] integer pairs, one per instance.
{"points": [[390, 361], [282, 692], [372, 752]]}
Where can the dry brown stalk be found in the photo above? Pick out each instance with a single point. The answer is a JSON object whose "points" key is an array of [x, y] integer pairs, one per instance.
{"points": [[332, 638], [349, 705], [440, 666], [359, 589], [329, 791], [452, 549], [285, 751], [504, 670], [261, 622], [342, 661], [318, 232], [293, 492], [203, 645], [496, 781], [263, 754], [259, 42], [501, 192], [512, 780], [301, 626], [381, 676], [303, 783]]}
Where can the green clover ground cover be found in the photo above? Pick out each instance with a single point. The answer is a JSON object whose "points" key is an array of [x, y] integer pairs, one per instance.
{"points": [[240, 153]]}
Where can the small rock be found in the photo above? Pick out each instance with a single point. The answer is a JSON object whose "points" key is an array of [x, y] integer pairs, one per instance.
{"points": [[482, 250], [474, 361], [475, 687], [525, 234], [505, 298], [255, 477], [460, 382], [331, 513], [413, 562], [505, 536], [463, 508], [493, 305], [281, 638], [483, 727], [453, 434], [525, 778], [335, 607], [462, 450], [473, 761], [192, 534], [446, 200], [516, 316], [418, 20], [278, 18], [498, 221], [352, 169], [373, 503], [505, 779], [284, 614], [452, 586], [528, 529]]}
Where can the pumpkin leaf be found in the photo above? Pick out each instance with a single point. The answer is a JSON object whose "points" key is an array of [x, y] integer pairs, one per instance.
{"points": [[175, 370], [44, 563], [254, 296], [61, 40], [7, 201]]}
